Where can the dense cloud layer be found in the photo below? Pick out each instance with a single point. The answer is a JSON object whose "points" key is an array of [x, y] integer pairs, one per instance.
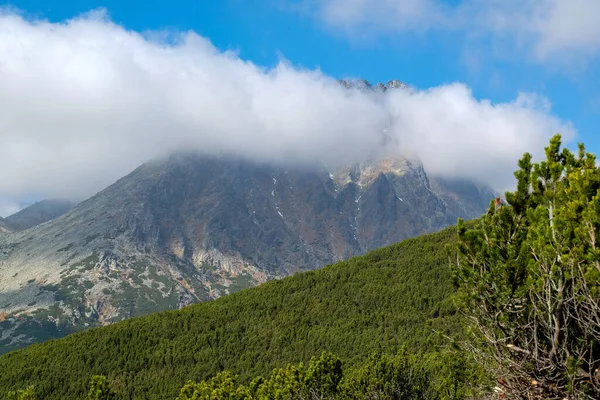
{"points": [[545, 28], [84, 102]]}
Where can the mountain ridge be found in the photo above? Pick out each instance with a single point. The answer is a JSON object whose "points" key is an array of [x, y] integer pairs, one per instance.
{"points": [[38, 213], [191, 228], [363, 84]]}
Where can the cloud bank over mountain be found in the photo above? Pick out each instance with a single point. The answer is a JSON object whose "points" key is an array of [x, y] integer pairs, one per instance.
{"points": [[85, 101]]}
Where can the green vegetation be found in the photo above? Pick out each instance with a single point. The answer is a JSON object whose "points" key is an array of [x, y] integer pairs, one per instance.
{"points": [[23, 394], [401, 377], [240, 282], [392, 300], [529, 276], [382, 377], [100, 389]]}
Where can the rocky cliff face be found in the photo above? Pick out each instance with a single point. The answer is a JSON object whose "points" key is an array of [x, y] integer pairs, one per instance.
{"points": [[192, 228]]}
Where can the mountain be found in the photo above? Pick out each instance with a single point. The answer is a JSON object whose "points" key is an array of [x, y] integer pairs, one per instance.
{"points": [[364, 85], [192, 228], [389, 298], [38, 213]]}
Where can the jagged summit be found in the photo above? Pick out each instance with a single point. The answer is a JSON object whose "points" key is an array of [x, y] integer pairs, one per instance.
{"points": [[360, 84], [364, 85], [395, 84]]}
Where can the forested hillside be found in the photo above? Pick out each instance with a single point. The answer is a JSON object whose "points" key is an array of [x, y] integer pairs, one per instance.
{"points": [[391, 298]]}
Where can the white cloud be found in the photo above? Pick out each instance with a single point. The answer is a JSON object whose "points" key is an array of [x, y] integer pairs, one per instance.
{"points": [[456, 135], [544, 28], [548, 27], [385, 15], [84, 102]]}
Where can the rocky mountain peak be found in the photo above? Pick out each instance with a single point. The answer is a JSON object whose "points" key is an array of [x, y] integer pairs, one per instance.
{"points": [[395, 84], [364, 173], [360, 84], [192, 227], [364, 85]]}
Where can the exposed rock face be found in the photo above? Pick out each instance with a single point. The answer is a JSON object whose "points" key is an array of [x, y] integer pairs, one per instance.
{"points": [[395, 84], [192, 228], [38, 213], [364, 85]]}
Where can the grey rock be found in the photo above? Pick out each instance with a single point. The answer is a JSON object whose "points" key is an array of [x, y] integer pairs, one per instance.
{"points": [[380, 87], [395, 84], [365, 86]]}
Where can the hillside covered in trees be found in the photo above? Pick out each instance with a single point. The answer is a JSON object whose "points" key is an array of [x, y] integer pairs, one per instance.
{"points": [[391, 300]]}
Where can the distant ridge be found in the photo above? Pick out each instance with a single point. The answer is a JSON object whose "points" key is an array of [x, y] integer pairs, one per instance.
{"points": [[38, 213]]}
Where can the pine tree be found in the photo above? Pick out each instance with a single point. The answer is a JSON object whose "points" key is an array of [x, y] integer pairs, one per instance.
{"points": [[222, 387], [528, 274], [23, 394], [100, 389]]}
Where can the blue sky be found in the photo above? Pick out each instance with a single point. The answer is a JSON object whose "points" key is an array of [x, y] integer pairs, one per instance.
{"points": [[497, 51]]}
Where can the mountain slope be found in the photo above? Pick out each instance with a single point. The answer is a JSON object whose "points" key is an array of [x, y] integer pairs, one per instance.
{"points": [[390, 297], [192, 228], [4, 226], [38, 213]]}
